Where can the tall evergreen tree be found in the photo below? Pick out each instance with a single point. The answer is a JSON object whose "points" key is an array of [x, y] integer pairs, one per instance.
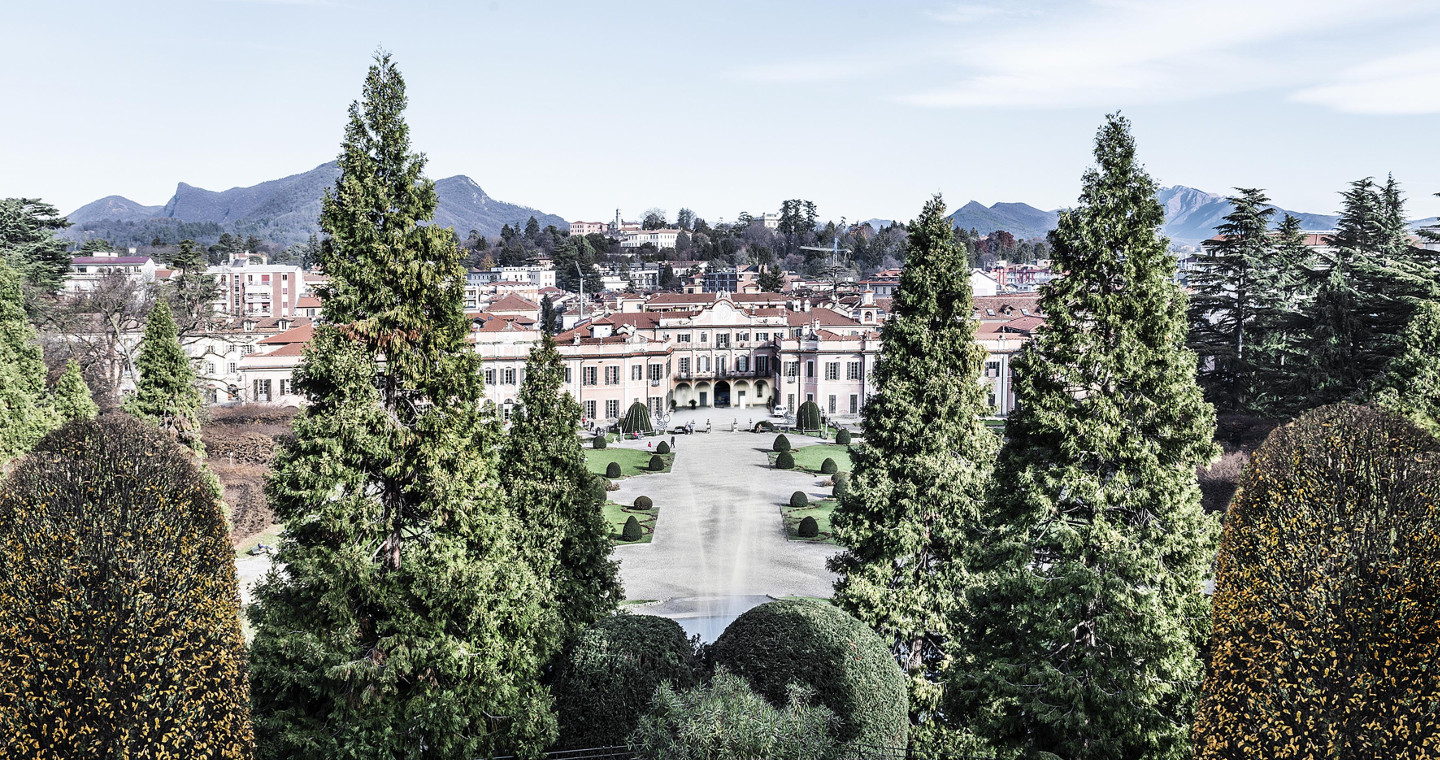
{"points": [[193, 291], [399, 622], [1411, 384], [28, 243], [548, 317], [166, 394], [566, 537], [1284, 295], [918, 478], [72, 395], [24, 415], [1229, 281], [1087, 628]]}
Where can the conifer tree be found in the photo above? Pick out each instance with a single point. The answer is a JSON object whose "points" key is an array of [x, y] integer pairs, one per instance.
{"points": [[24, 414], [1086, 630], [398, 621], [193, 292], [918, 477], [72, 395], [1411, 384], [566, 538], [1229, 281], [166, 394]]}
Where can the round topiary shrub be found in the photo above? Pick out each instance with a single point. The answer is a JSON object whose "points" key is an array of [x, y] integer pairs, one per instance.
{"points": [[809, 528], [644, 502], [808, 416], [786, 461], [764, 426], [609, 677], [781, 443], [612, 470], [596, 487], [656, 463], [662, 448], [843, 437], [799, 499], [598, 442], [828, 467], [851, 671], [632, 530], [118, 601]]}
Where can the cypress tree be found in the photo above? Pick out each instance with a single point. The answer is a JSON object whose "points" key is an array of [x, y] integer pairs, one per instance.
{"points": [[399, 623], [24, 415], [72, 395], [119, 607], [918, 477], [1086, 630], [1228, 280], [166, 394], [567, 540]]}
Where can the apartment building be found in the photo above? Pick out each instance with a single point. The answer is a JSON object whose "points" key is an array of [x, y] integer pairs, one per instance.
{"points": [[87, 271], [250, 287]]}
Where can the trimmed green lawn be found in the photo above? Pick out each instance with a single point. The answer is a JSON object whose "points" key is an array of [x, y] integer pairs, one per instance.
{"points": [[632, 461], [810, 457], [616, 515], [820, 510], [270, 537]]}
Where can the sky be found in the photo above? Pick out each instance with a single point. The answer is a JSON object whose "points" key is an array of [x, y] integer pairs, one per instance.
{"points": [[866, 108]]}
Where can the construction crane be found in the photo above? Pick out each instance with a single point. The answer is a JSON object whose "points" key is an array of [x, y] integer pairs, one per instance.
{"points": [[834, 250]]}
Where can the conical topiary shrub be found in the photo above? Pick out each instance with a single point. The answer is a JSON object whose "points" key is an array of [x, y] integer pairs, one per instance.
{"points": [[799, 499], [828, 467], [808, 418], [786, 461], [612, 470], [598, 443], [637, 420], [663, 448], [781, 443], [843, 437], [644, 502], [656, 463], [809, 528], [632, 530]]}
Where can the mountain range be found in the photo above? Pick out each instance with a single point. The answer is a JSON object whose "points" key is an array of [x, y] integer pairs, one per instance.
{"points": [[283, 210]]}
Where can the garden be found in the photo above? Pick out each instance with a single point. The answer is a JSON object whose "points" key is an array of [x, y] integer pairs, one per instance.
{"points": [[634, 524]]}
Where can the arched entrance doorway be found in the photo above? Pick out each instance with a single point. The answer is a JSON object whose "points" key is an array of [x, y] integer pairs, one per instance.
{"points": [[722, 393]]}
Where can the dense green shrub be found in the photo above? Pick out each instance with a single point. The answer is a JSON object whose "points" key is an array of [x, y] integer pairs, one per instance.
{"points": [[764, 426], [632, 530], [637, 419], [608, 678], [781, 443], [799, 499], [1327, 594], [843, 437], [643, 502], [786, 461], [598, 443], [808, 418], [119, 607], [726, 720], [841, 487], [657, 463], [851, 671], [662, 448], [828, 467], [809, 528], [612, 470], [840, 477], [596, 488]]}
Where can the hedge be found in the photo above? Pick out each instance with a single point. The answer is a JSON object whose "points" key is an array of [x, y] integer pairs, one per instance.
{"points": [[809, 528], [786, 461], [781, 443], [828, 467], [598, 442], [608, 678], [816, 645], [662, 448], [643, 502], [843, 437], [799, 499], [657, 464], [632, 530], [612, 470], [808, 418]]}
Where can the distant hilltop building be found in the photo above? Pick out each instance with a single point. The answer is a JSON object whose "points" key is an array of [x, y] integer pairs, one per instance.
{"points": [[587, 228]]}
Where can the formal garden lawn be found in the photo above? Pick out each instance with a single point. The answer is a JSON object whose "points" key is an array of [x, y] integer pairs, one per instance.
{"points": [[632, 461], [616, 515], [810, 457], [270, 537], [820, 510]]}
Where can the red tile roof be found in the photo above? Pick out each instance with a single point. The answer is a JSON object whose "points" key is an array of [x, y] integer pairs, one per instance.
{"points": [[301, 334], [127, 260], [512, 302]]}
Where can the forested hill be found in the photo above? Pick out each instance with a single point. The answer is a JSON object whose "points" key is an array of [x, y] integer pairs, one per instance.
{"points": [[280, 211]]}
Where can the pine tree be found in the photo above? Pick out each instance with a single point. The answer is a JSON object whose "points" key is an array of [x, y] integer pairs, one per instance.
{"points": [[566, 537], [28, 243], [400, 623], [1278, 313], [72, 395], [1411, 384], [24, 414], [547, 316], [1087, 628], [166, 395], [772, 279], [1229, 279], [918, 477]]}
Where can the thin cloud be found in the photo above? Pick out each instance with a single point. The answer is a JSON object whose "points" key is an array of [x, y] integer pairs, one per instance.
{"points": [[804, 72], [1400, 84]]}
